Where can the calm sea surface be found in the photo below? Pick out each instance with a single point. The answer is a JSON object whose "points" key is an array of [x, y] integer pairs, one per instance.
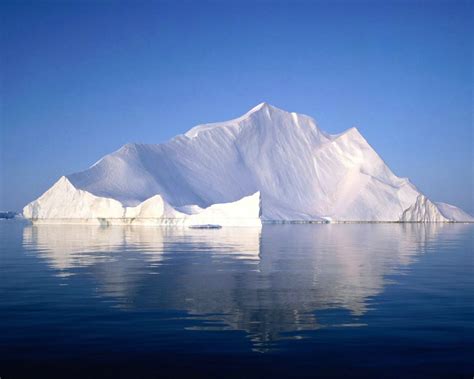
{"points": [[361, 300]]}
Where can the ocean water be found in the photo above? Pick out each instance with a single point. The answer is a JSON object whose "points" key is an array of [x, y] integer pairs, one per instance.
{"points": [[355, 300]]}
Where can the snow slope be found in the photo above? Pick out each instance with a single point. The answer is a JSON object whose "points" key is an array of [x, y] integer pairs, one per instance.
{"points": [[300, 172]]}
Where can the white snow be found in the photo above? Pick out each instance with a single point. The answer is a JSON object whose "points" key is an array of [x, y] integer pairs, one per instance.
{"points": [[214, 172], [423, 210], [454, 213], [65, 204]]}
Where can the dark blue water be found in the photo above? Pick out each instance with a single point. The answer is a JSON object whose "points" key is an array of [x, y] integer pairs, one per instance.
{"points": [[361, 300]]}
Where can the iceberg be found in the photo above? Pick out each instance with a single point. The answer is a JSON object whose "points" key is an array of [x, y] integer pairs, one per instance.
{"points": [[268, 165]]}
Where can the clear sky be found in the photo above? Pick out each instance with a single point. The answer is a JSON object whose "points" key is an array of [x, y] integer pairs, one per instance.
{"points": [[80, 79]]}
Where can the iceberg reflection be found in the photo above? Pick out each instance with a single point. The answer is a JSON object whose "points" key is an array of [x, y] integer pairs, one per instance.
{"points": [[270, 282]]}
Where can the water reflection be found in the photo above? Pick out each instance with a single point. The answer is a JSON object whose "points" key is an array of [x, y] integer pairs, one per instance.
{"points": [[270, 282]]}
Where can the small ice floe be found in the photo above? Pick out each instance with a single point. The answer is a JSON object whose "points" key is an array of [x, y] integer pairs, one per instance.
{"points": [[205, 226]]}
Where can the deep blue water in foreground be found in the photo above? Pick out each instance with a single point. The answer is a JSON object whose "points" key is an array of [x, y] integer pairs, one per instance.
{"points": [[361, 300]]}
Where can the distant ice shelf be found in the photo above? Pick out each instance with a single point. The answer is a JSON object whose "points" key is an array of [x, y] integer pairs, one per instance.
{"points": [[268, 165]]}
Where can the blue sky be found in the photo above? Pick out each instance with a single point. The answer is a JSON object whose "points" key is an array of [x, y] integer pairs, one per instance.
{"points": [[80, 79]]}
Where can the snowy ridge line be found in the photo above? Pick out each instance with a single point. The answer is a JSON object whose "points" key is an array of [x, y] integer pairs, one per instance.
{"points": [[267, 166]]}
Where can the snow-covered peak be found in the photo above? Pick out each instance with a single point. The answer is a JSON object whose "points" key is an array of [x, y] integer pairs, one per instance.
{"points": [[265, 108], [259, 107], [264, 115]]}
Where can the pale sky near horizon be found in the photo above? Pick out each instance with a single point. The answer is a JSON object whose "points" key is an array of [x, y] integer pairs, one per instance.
{"points": [[80, 79]]}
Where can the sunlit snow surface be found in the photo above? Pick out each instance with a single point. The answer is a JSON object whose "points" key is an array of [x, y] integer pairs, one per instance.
{"points": [[268, 165]]}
